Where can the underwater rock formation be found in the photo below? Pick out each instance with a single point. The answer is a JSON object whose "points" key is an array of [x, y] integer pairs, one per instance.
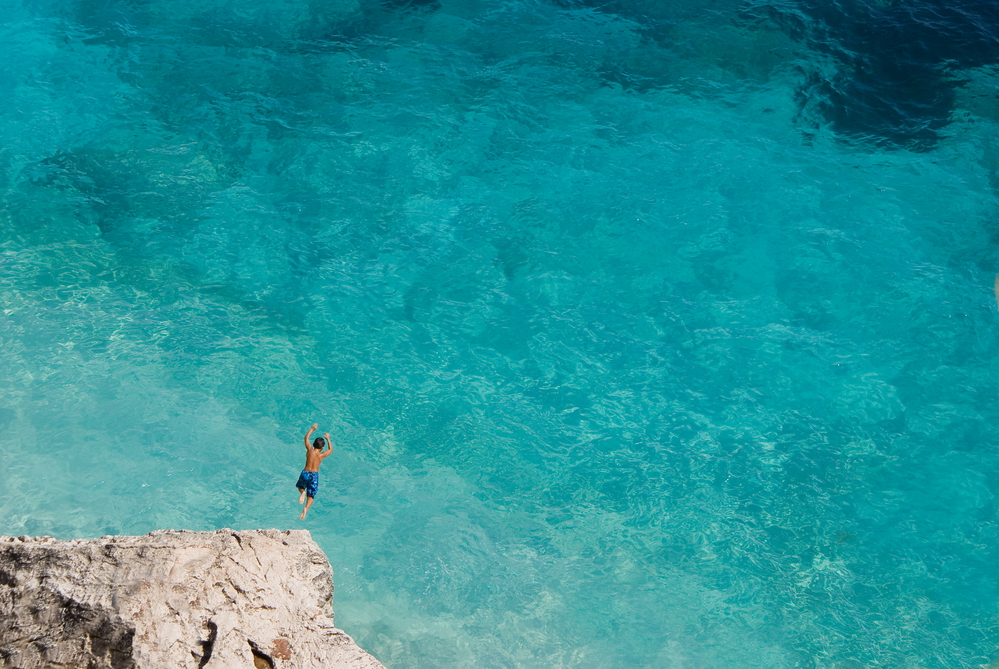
{"points": [[256, 598]]}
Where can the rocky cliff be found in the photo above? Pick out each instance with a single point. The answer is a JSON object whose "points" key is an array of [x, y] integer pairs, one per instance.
{"points": [[204, 600]]}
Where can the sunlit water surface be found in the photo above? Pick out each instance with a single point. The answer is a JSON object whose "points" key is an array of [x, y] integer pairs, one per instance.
{"points": [[631, 358]]}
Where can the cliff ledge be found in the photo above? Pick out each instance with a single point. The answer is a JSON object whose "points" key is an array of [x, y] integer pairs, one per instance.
{"points": [[204, 600]]}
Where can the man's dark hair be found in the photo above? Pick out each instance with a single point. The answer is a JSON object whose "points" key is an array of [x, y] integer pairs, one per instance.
{"points": [[319, 443]]}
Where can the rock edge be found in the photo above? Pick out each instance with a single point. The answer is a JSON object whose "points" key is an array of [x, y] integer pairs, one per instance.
{"points": [[203, 600]]}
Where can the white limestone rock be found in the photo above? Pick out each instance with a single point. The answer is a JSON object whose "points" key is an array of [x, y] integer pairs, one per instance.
{"points": [[203, 600]]}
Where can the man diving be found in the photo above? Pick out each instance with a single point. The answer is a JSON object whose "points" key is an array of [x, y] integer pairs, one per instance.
{"points": [[308, 480]]}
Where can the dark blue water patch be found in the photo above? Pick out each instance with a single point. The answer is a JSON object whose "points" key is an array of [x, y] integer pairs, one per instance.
{"points": [[427, 5], [654, 20], [899, 62]]}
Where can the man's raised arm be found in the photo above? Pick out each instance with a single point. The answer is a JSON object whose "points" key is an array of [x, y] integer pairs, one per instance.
{"points": [[329, 445], [309, 434]]}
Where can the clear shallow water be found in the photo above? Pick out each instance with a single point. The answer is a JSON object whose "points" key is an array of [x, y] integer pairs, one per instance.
{"points": [[635, 354]]}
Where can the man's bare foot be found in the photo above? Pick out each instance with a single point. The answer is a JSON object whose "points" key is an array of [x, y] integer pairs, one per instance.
{"points": [[304, 511], [301, 498]]}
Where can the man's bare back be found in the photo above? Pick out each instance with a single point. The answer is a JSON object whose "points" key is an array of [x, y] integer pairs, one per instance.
{"points": [[308, 480], [314, 458]]}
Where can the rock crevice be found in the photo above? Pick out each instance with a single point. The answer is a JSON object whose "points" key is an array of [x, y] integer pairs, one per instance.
{"points": [[203, 600]]}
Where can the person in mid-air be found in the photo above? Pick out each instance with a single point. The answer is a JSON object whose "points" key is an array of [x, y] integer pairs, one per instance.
{"points": [[308, 480]]}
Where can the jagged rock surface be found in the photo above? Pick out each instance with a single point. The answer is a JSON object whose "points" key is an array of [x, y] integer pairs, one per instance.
{"points": [[204, 600]]}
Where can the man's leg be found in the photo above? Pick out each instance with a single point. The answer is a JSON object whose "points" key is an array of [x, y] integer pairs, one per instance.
{"points": [[308, 505], [301, 498]]}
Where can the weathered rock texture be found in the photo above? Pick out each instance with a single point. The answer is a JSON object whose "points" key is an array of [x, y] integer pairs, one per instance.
{"points": [[204, 600]]}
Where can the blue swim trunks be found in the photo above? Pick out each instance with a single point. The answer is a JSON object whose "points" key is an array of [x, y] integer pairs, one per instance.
{"points": [[309, 482]]}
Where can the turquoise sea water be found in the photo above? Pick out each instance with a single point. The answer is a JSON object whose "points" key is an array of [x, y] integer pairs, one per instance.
{"points": [[633, 356]]}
